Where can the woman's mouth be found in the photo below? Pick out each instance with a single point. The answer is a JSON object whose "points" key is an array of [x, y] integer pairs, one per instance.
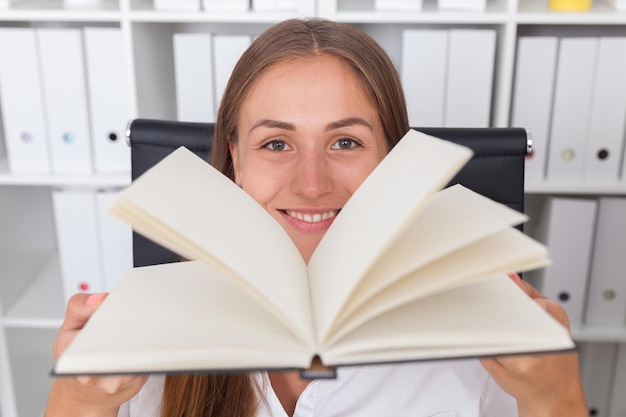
{"points": [[312, 217]]}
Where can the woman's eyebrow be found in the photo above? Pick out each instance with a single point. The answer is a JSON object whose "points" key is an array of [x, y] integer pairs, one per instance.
{"points": [[277, 124], [348, 121]]}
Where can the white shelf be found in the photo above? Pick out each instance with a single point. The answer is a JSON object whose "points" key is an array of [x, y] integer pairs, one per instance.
{"points": [[356, 11], [109, 180], [41, 305], [31, 362], [616, 188], [153, 16], [607, 334], [55, 10]]}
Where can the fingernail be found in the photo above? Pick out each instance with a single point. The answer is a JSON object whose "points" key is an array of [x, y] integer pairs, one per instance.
{"points": [[95, 299], [515, 276]]}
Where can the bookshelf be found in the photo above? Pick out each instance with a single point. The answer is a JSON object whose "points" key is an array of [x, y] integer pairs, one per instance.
{"points": [[31, 299]]}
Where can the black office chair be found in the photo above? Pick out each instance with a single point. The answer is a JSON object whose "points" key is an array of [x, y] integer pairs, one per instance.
{"points": [[496, 170]]}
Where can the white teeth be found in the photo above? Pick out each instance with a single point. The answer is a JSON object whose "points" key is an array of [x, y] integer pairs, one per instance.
{"points": [[312, 218]]}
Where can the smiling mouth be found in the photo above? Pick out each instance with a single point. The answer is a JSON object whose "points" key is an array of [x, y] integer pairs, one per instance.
{"points": [[312, 217]]}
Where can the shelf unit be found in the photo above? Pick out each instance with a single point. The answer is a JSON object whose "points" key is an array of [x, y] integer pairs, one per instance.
{"points": [[31, 301]]}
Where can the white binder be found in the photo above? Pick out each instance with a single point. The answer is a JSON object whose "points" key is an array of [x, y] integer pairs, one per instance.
{"points": [[193, 69], [423, 70], [532, 97], [566, 227], [187, 5], [619, 5], [225, 6], [606, 298], [65, 98], [618, 399], [470, 77], [607, 127], [398, 5], [473, 5], [77, 240], [116, 246], [570, 114], [227, 49], [596, 368], [109, 98], [21, 104], [275, 5], [87, 4]]}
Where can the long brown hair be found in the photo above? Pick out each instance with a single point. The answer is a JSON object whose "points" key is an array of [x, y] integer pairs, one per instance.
{"points": [[207, 395]]}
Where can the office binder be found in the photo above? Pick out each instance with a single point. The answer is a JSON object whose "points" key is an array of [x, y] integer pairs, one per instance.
{"points": [[77, 240], [193, 70], [470, 77], [65, 98], [570, 114], [619, 5], [225, 6], [187, 5], [597, 362], [471, 5], [274, 5], [23, 114], [109, 98], [227, 49], [606, 298], [607, 126], [618, 399], [398, 5], [423, 70], [533, 90], [566, 227], [87, 4], [116, 248]]}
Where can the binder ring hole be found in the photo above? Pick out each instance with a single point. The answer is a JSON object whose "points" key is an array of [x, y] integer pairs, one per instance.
{"points": [[568, 154], [603, 154], [593, 411], [608, 294], [112, 136], [563, 296], [68, 137], [26, 137]]}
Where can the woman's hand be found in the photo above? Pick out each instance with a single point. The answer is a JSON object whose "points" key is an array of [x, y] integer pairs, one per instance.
{"points": [[544, 385], [86, 396]]}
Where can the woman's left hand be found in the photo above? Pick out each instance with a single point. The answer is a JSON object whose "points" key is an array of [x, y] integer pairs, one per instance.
{"points": [[544, 385]]}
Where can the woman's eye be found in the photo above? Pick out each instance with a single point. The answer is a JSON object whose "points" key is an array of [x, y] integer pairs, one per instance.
{"points": [[277, 145], [345, 143]]}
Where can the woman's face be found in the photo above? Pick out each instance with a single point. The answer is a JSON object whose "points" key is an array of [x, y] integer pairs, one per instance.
{"points": [[307, 137]]}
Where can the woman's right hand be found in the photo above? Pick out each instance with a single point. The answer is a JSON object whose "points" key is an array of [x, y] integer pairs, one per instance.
{"points": [[86, 396]]}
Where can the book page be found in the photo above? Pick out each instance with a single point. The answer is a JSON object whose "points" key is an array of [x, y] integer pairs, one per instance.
{"points": [[486, 318], [187, 206], [454, 218], [389, 200], [506, 251], [180, 317]]}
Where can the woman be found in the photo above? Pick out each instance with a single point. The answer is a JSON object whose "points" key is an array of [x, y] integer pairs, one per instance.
{"points": [[311, 108]]}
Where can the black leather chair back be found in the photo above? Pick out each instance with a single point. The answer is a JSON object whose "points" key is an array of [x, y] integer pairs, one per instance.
{"points": [[496, 170]]}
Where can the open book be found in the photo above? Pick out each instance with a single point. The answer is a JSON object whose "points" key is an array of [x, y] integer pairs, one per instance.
{"points": [[407, 271]]}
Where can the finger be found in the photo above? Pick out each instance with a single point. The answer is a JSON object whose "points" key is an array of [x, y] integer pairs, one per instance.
{"points": [[526, 287], [556, 310], [79, 308]]}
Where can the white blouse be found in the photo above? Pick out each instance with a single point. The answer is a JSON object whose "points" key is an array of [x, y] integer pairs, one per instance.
{"points": [[459, 388]]}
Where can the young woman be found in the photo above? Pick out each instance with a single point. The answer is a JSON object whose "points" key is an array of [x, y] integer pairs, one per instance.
{"points": [[311, 108]]}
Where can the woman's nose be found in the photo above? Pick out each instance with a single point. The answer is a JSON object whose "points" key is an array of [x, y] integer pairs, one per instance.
{"points": [[313, 177]]}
